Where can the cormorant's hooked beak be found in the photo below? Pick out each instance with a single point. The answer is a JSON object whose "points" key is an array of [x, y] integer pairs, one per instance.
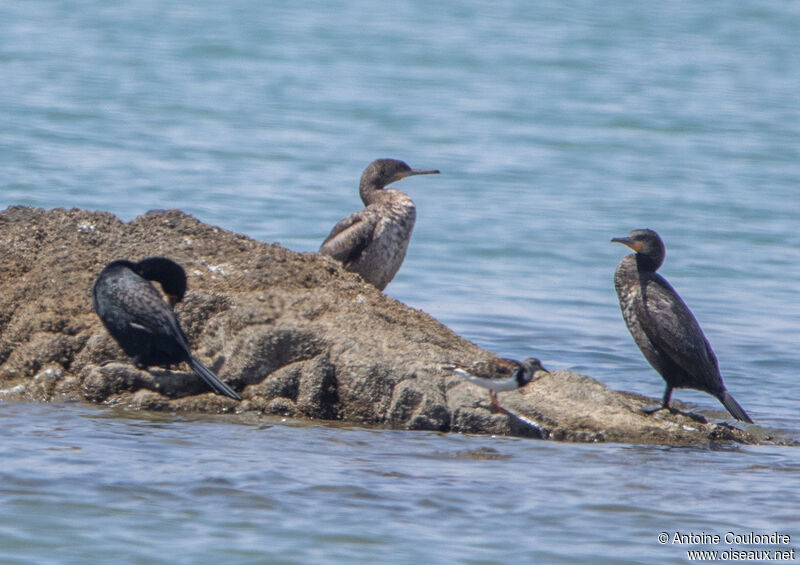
{"points": [[172, 300], [636, 246], [413, 172]]}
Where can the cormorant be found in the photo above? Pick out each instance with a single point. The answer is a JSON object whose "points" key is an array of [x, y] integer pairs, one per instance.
{"points": [[135, 315], [662, 325], [508, 375], [373, 241]]}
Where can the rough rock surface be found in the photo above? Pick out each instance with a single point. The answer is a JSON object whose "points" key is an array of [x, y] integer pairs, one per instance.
{"points": [[293, 332]]}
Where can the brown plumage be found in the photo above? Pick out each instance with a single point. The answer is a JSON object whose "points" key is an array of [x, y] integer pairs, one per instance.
{"points": [[373, 241]]}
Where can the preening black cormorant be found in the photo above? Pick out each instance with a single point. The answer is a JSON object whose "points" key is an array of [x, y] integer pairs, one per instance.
{"points": [[373, 241], [662, 325], [135, 315], [508, 374]]}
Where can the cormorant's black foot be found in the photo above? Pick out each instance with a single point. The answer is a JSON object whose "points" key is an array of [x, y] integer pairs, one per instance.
{"points": [[691, 415], [655, 408], [699, 418]]}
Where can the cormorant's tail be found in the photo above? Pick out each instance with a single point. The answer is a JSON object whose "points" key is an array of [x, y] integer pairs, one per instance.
{"points": [[734, 408], [211, 379]]}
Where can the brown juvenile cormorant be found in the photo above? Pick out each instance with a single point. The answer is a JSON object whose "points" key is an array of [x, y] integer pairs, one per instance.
{"points": [[662, 325], [372, 242], [135, 315], [508, 374]]}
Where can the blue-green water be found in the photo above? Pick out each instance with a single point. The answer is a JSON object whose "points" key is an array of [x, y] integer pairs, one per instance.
{"points": [[556, 126]]}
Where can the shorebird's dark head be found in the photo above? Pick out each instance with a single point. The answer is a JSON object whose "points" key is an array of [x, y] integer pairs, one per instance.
{"points": [[650, 250], [167, 273], [383, 172], [532, 366]]}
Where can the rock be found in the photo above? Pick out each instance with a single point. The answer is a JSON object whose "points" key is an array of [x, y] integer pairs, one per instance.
{"points": [[294, 333]]}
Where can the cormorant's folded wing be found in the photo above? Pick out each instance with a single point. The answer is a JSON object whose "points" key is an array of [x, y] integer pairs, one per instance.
{"points": [[670, 324], [350, 237]]}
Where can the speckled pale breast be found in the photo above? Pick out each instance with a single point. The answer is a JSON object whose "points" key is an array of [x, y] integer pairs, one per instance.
{"points": [[380, 261], [625, 274], [629, 291]]}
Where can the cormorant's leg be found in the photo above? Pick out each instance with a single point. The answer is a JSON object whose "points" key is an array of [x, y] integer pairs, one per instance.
{"points": [[664, 402], [667, 396]]}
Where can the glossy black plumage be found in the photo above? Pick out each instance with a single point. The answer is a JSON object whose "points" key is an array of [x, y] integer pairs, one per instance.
{"points": [[662, 325], [373, 241], [143, 324]]}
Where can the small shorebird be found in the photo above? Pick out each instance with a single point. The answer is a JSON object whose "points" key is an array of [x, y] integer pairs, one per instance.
{"points": [[662, 325], [373, 241], [502, 374]]}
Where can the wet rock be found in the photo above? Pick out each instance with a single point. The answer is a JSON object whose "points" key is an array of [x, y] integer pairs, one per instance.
{"points": [[294, 333]]}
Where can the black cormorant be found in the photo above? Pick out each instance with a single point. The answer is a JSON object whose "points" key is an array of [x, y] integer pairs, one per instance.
{"points": [[662, 325], [373, 241], [508, 374], [135, 315]]}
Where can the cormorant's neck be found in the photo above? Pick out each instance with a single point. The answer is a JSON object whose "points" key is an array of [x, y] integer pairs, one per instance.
{"points": [[121, 264], [370, 191], [166, 272], [648, 263]]}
